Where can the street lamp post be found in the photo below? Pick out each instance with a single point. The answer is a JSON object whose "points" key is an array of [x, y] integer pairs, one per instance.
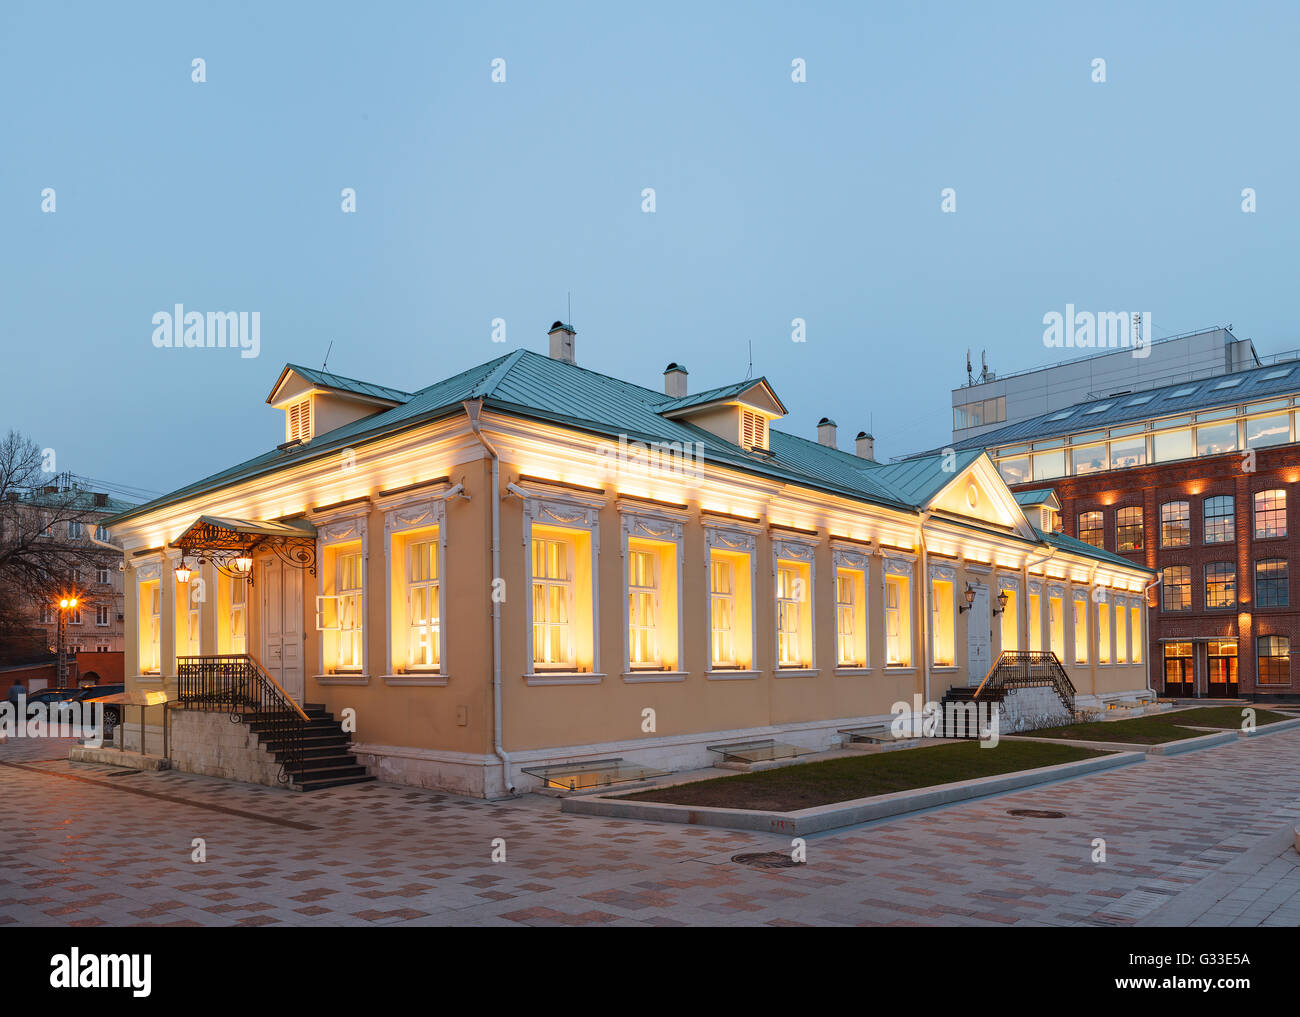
{"points": [[66, 604]]}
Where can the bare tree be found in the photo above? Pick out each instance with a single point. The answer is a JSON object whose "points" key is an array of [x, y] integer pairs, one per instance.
{"points": [[36, 562]]}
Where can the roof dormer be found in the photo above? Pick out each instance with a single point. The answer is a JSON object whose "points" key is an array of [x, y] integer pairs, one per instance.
{"points": [[740, 413], [316, 402]]}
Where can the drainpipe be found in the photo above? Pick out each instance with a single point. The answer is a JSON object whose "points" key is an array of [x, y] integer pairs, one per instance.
{"points": [[1146, 612], [472, 410]]}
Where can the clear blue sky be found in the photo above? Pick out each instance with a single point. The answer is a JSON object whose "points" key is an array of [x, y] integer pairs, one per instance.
{"points": [[477, 200]]}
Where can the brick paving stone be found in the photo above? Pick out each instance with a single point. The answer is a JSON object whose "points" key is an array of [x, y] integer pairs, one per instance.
{"points": [[1191, 839]]}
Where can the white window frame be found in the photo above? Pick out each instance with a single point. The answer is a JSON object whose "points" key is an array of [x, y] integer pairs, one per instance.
{"points": [[637, 523], [894, 565], [564, 512], [102, 610], [144, 575], [332, 531], [1012, 585], [402, 515], [849, 560], [740, 541], [799, 552], [1080, 597], [943, 574]]}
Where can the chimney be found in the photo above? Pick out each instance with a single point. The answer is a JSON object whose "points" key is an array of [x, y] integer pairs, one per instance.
{"points": [[562, 342], [866, 446], [675, 380], [826, 432]]}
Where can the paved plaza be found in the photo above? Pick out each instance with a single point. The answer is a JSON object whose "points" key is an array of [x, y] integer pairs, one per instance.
{"points": [[1199, 839]]}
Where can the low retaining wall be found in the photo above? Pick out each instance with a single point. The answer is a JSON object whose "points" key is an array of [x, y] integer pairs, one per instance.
{"points": [[210, 744], [838, 814]]}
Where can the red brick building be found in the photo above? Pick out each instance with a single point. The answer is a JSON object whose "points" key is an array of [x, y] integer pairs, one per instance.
{"points": [[1197, 481]]}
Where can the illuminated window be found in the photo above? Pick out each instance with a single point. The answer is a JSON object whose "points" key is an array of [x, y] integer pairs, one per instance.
{"points": [[423, 604], [1035, 621], [643, 608], [851, 617], [1128, 452], [1121, 633], [1274, 660], [793, 614], [1091, 528], [943, 609], [1080, 629], [1135, 621], [1171, 445], [1175, 524], [1176, 584], [1128, 528], [1014, 470], [1220, 520], [1272, 583], [1270, 514], [232, 629], [1010, 618], [151, 627], [340, 610], [722, 612], [187, 619], [1056, 624], [1103, 613], [553, 596], [898, 617], [1220, 585]]}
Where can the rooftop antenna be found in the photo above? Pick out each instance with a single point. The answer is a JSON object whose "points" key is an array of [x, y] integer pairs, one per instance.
{"points": [[750, 373], [984, 365], [970, 378], [327, 355], [570, 322]]}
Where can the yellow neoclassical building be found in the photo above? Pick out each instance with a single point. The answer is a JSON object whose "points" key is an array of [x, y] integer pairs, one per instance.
{"points": [[531, 563]]}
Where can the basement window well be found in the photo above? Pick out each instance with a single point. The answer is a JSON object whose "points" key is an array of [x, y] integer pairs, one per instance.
{"points": [[591, 773]]}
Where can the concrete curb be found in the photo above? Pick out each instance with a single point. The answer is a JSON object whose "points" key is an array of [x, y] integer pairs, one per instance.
{"points": [[830, 817], [116, 757], [1281, 725], [1163, 749]]}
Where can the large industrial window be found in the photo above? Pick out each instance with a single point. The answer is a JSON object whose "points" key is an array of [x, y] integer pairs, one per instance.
{"points": [[1175, 524], [1274, 660], [1219, 520], [1272, 583], [1128, 528], [1091, 530], [1176, 584], [1270, 514], [1220, 585]]}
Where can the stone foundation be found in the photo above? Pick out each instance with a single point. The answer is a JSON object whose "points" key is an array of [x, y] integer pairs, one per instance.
{"points": [[210, 744], [1025, 709]]}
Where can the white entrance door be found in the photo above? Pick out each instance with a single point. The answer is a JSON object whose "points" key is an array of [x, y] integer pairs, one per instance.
{"points": [[979, 636], [282, 635]]}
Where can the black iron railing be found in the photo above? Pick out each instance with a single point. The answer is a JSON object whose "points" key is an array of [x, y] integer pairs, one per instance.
{"points": [[1026, 668], [238, 684]]}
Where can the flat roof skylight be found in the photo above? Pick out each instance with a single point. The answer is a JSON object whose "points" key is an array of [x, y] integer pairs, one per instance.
{"points": [[1098, 408], [1181, 392], [1229, 383], [1141, 399], [1060, 416], [1282, 373]]}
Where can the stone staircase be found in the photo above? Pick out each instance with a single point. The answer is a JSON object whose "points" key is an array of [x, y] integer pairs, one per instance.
{"points": [[326, 761]]}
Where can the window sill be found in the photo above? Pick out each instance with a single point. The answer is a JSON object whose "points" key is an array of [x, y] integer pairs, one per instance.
{"points": [[341, 679], [147, 679], [564, 678], [642, 677], [796, 672], [410, 678], [901, 669], [725, 675], [852, 672]]}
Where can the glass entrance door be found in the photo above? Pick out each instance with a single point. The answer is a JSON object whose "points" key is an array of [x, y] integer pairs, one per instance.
{"points": [[1222, 671], [1178, 669]]}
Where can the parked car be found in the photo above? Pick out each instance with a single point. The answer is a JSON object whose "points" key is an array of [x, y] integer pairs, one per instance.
{"points": [[112, 711], [52, 696]]}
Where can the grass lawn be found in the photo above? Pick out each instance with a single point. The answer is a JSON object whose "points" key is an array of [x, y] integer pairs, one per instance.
{"points": [[1159, 728], [842, 780]]}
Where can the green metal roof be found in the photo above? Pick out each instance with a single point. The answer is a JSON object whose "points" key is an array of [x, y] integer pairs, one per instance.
{"points": [[1041, 496], [337, 381], [536, 387], [1076, 546]]}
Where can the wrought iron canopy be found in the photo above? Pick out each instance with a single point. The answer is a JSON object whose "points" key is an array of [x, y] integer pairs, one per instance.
{"points": [[224, 541]]}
